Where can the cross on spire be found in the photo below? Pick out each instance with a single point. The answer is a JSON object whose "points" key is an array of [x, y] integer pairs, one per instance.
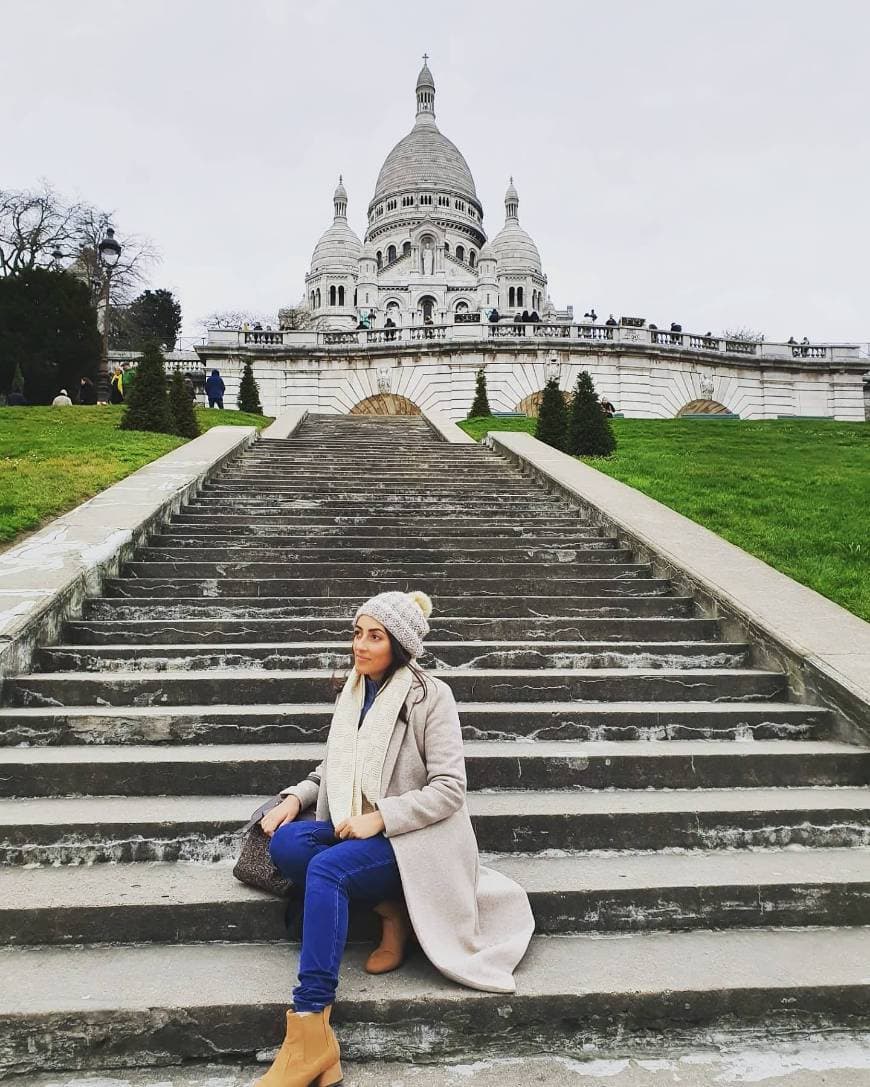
{"points": [[425, 57]]}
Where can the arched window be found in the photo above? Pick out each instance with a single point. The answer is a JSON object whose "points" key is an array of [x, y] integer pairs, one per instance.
{"points": [[519, 296], [341, 296], [391, 254], [471, 257], [462, 307], [511, 298], [332, 295], [354, 297], [460, 252], [447, 247], [318, 298], [379, 257], [406, 248], [311, 300]]}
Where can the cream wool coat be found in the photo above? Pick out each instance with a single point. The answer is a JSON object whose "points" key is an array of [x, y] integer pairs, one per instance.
{"points": [[474, 924]]}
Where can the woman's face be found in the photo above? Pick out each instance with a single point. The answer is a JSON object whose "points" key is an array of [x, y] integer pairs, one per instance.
{"points": [[372, 652]]}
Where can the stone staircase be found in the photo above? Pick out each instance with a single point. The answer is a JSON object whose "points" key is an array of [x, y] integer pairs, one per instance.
{"points": [[695, 845]]}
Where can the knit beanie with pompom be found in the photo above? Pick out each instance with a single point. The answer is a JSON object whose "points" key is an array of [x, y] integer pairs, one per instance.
{"points": [[404, 615]]}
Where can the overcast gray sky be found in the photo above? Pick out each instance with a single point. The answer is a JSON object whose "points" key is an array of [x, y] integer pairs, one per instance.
{"points": [[702, 161]]}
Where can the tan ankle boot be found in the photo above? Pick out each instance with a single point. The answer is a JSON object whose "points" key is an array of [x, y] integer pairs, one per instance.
{"points": [[395, 933], [309, 1055]]}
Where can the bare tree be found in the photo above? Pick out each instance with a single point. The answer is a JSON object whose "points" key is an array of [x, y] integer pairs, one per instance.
{"points": [[138, 257], [36, 223], [33, 224], [294, 317], [232, 319], [747, 334]]}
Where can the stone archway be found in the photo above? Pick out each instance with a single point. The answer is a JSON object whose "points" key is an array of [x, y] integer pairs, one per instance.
{"points": [[385, 404], [704, 407], [530, 405]]}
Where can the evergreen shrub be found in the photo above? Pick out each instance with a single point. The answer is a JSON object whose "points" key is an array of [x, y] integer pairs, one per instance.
{"points": [[181, 406], [147, 407], [480, 406], [552, 416], [249, 392], [590, 433]]}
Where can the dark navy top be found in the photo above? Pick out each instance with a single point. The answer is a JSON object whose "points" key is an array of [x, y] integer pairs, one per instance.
{"points": [[372, 689]]}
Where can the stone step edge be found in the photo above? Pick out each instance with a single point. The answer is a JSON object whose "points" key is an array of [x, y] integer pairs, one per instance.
{"points": [[161, 883], [229, 1000], [106, 754]]}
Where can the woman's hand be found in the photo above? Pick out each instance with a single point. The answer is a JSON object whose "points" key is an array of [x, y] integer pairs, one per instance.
{"points": [[360, 826], [285, 812]]}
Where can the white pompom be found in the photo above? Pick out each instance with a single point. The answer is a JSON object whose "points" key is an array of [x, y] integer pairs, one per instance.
{"points": [[422, 601]]}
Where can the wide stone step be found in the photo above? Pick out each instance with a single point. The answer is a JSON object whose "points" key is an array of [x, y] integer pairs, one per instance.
{"points": [[480, 504], [481, 535], [226, 770], [412, 525], [627, 583], [291, 723], [238, 686], [66, 830], [443, 629], [295, 485], [155, 1004], [344, 540], [482, 561], [623, 606], [271, 655], [340, 570], [627, 892]]}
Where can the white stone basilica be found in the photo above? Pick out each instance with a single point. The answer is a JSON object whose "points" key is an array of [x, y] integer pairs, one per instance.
{"points": [[425, 256]]}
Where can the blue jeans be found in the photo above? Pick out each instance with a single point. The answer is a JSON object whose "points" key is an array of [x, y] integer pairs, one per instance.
{"points": [[333, 873]]}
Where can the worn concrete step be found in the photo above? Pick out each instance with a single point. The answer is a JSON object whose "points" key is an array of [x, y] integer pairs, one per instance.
{"points": [[293, 723], [283, 655], [443, 629], [180, 903], [165, 549], [339, 557], [615, 606], [67, 830], [412, 524], [359, 498], [338, 571], [225, 770], [294, 485], [342, 541], [255, 687], [217, 586], [423, 535], [153, 1004]]}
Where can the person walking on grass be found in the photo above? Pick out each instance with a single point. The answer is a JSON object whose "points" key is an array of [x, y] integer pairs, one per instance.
{"points": [[392, 831], [215, 389]]}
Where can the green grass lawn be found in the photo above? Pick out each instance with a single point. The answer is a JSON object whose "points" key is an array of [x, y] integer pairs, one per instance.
{"points": [[53, 458], [796, 493]]}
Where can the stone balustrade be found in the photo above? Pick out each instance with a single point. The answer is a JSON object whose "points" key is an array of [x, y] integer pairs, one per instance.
{"points": [[469, 328]]}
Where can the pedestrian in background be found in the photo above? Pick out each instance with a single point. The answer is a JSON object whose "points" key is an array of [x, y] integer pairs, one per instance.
{"points": [[215, 389]]}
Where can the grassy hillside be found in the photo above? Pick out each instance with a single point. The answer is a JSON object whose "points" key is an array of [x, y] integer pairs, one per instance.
{"points": [[796, 493], [53, 458]]}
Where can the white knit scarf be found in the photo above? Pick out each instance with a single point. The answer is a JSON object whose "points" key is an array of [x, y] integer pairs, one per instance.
{"points": [[346, 781]]}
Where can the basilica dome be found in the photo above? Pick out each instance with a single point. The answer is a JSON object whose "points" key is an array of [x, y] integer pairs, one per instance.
{"points": [[425, 158], [339, 247], [514, 248]]}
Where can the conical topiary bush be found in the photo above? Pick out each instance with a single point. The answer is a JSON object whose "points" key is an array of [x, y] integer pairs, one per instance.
{"points": [[480, 405], [249, 393], [552, 416], [147, 407], [181, 406], [589, 431]]}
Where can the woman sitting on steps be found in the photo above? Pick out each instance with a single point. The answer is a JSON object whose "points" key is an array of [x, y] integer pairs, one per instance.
{"points": [[391, 823]]}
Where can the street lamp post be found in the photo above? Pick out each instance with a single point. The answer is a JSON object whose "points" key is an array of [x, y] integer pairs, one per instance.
{"points": [[109, 251]]}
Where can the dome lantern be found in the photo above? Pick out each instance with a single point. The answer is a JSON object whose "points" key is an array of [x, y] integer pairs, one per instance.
{"points": [[511, 202], [339, 200], [425, 93]]}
